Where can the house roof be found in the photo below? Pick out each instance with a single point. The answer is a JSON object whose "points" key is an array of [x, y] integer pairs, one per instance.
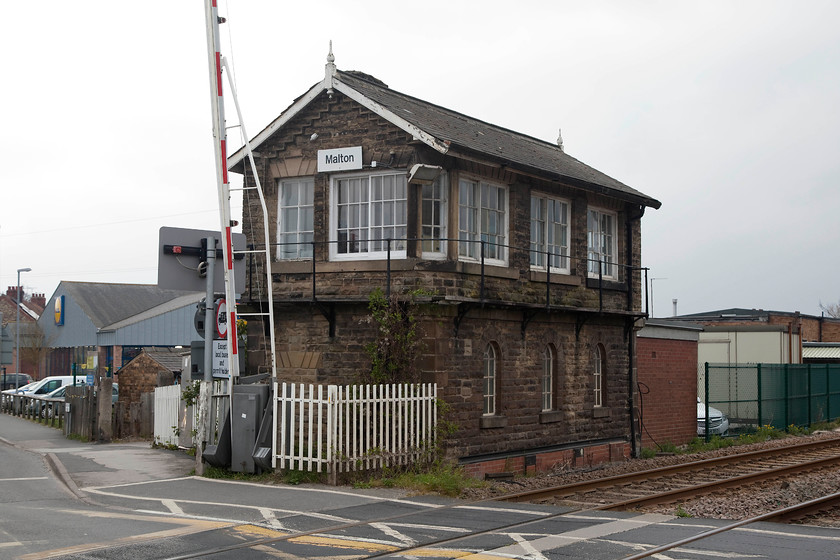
{"points": [[453, 133], [743, 314], [106, 304], [8, 309], [171, 359], [170, 305]]}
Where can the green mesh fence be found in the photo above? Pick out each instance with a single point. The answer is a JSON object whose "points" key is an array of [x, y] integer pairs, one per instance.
{"points": [[777, 395]]}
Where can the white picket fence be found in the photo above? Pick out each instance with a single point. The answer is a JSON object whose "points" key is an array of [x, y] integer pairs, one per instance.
{"points": [[167, 408], [340, 429], [330, 428], [173, 423]]}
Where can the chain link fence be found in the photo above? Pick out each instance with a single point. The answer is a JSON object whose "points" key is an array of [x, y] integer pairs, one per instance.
{"points": [[735, 399]]}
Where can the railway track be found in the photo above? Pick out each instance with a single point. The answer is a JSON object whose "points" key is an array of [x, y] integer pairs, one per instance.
{"points": [[676, 483]]}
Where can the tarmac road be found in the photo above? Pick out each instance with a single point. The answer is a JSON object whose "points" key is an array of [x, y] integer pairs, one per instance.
{"points": [[70, 499]]}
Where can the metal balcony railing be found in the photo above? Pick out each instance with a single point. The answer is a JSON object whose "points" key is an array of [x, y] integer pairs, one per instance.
{"points": [[405, 246]]}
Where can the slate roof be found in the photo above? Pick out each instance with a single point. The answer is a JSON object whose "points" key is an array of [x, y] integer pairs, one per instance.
{"points": [[490, 140], [106, 304], [451, 132], [171, 359]]}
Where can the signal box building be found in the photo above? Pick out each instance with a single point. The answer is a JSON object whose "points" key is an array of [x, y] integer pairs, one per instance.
{"points": [[524, 264]]}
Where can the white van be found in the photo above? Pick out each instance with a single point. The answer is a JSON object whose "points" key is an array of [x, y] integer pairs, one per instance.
{"points": [[49, 384]]}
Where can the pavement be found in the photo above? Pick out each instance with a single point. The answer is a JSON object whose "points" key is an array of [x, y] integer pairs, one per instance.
{"points": [[80, 464]]}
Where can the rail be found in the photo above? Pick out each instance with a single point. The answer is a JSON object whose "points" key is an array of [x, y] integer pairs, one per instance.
{"points": [[555, 295], [800, 457], [39, 408]]}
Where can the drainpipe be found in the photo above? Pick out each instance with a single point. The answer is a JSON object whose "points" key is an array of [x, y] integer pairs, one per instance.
{"points": [[635, 447]]}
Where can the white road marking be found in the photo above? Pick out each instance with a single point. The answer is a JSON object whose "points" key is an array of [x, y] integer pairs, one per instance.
{"points": [[172, 506], [268, 515], [404, 539], [21, 479], [641, 547], [586, 533], [531, 552], [240, 506]]}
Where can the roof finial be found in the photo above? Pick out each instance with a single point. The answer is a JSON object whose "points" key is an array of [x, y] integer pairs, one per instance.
{"points": [[330, 71], [560, 139]]}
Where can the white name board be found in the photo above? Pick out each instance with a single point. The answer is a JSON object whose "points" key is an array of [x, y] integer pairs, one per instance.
{"points": [[340, 159], [220, 359]]}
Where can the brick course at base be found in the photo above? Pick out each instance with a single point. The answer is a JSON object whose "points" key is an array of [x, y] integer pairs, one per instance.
{"points": [[545, 462]]}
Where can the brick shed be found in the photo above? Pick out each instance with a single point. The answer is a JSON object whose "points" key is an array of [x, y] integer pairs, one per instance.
{"points": [[667, 375], [153, 367]]}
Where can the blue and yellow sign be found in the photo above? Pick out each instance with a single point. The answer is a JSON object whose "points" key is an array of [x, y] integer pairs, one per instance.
{"points": [[59, 310]]}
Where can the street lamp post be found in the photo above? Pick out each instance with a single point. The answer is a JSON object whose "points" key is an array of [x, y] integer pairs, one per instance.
{"points": [[17, 329], [651, 294]]}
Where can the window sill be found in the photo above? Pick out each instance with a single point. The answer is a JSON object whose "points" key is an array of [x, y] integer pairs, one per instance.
{"points": [[556, 278], [550, 416], [607, 284], [493, 421], [600, 412], [305, 266]]}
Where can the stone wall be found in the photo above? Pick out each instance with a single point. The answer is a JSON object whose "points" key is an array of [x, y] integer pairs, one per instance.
{"points": [[306, 354]]}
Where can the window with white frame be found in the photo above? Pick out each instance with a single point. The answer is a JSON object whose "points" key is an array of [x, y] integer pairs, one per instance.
{"points": [[367, 210], [598, 376], [489, 380], [433, 210], [295, 221], [548, 378], [549, 234], [602, 244], [482, 216]]}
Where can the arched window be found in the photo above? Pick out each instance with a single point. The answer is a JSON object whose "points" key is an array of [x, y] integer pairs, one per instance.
{"points": [[489, 380], [548, 378], [598, 375]]}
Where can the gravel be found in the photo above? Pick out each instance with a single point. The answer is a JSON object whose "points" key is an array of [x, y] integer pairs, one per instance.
{"points": [[733, 504]]}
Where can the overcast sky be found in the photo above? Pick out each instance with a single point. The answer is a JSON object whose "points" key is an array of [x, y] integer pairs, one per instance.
{"points": [[725, 111]]}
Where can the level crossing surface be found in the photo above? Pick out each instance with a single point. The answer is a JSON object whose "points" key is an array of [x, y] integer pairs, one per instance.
{"points": [[131, 500]]}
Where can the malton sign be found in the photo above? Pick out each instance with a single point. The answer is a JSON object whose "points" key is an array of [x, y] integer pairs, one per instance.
{"points": [[340, 159]]}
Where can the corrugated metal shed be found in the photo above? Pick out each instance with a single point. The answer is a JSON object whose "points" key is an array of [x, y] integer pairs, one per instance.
{"points": [[821, 351], [98, 314]]}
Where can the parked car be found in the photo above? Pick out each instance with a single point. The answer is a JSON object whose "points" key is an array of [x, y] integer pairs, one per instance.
{"points": [[20, 389], [61, 392], [48, 384], [12, 380], [718, 421]]}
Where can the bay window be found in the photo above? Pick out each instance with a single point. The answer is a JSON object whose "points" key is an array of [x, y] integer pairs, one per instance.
{"points": [[482, 216], [295, 218], [601, 243], [366, 211], [550, 234], [433, 217]]}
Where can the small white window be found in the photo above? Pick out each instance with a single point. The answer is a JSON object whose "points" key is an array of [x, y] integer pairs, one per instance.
{"points": [[367, 211], [433, 210], [550, 234], [602, 244], [295, 219], [548, 379], [489, 380], [482, 216], [598, 377]]}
